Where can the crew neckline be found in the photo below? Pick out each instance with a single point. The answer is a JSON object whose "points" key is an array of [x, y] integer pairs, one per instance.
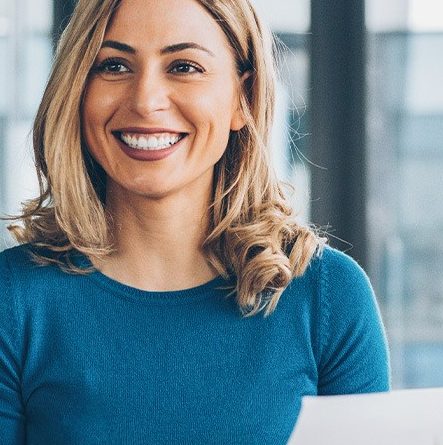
{"points": [[199, 292]]}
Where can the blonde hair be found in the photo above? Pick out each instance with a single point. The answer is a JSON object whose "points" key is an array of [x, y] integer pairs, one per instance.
{"points": [[253, 235]]}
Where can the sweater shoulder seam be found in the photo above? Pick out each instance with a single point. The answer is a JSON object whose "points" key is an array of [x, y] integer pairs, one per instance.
{"points": [[324, 306], [12, 298]]}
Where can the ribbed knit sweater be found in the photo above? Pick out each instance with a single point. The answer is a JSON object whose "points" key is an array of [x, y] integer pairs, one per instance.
{"points": [[87, 360]]}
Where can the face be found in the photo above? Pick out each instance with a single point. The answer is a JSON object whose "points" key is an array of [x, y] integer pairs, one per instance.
{"points": [[161, 99]]}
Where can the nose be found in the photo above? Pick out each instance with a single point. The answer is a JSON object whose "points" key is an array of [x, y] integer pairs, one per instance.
{"points": [[149, 93]]}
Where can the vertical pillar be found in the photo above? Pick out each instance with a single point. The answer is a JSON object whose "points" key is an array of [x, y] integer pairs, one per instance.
{"points": [[62, 10], [338, 122]]}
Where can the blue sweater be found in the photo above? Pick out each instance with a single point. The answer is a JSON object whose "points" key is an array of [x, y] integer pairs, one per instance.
{"points": [[87, 360]]}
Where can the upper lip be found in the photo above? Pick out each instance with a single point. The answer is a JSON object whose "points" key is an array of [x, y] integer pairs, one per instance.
{"points": [[150, 130]]}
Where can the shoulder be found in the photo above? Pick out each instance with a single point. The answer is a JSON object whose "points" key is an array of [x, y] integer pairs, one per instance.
{"points": [[20, 273], [14, 257], [340, 276], [334, 290], [339, 265], [331, 278], [16, 269], [14, 264], [22, 251], [353, 353], [17, 259], [345, 300]]}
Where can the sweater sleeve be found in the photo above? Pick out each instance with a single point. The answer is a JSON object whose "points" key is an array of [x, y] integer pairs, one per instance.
{"points": [[12, 425], [353, 348]]}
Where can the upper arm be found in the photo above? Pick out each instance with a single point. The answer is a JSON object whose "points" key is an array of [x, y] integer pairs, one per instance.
{"points": [[354, 355], [12, 429]]}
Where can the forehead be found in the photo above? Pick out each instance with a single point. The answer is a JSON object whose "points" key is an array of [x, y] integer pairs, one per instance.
{"points": [[153, 23]]}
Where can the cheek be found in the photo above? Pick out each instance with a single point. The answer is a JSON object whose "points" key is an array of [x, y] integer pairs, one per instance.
{"points": [[210, 108], [96, 111], [90, 121], [98, 107]]}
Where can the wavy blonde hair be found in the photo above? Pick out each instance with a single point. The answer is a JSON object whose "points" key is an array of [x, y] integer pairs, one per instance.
{"points": [[253, 236]]}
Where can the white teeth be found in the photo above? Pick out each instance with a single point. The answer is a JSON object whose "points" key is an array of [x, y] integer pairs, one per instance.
{"points": [[153, 142], [150, 142]]}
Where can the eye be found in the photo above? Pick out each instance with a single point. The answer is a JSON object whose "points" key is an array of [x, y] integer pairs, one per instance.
{"points": [[185, 67], [111, 66]]}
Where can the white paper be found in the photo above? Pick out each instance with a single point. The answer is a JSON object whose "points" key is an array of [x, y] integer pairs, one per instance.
{"points": [[405, 417]]}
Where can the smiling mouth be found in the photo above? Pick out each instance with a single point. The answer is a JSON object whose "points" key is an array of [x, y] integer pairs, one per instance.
{"points": [[150, 142]]}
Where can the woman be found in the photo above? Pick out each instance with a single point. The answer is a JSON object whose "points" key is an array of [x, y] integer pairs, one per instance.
{"points": [[162, 292]]}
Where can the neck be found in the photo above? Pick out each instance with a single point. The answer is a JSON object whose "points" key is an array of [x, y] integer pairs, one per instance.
{"points": [[158, 241]]}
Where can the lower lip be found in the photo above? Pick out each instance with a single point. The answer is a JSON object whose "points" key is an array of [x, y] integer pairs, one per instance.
{"points": [[149, 155]]}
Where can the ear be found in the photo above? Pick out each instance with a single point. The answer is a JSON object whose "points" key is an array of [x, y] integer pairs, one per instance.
{"points": [[238, 120]]}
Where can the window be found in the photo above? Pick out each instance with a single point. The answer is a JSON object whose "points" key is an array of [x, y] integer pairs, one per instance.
{"points": [[25, 43], [405, 154], [290, 22]]}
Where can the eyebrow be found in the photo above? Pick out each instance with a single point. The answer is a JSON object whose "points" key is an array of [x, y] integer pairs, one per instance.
{"points": [[185, 45], [118, 46], [166, 50]]}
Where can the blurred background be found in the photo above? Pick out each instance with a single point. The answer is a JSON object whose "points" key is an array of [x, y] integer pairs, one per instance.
{"points": [[359, 133]]}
